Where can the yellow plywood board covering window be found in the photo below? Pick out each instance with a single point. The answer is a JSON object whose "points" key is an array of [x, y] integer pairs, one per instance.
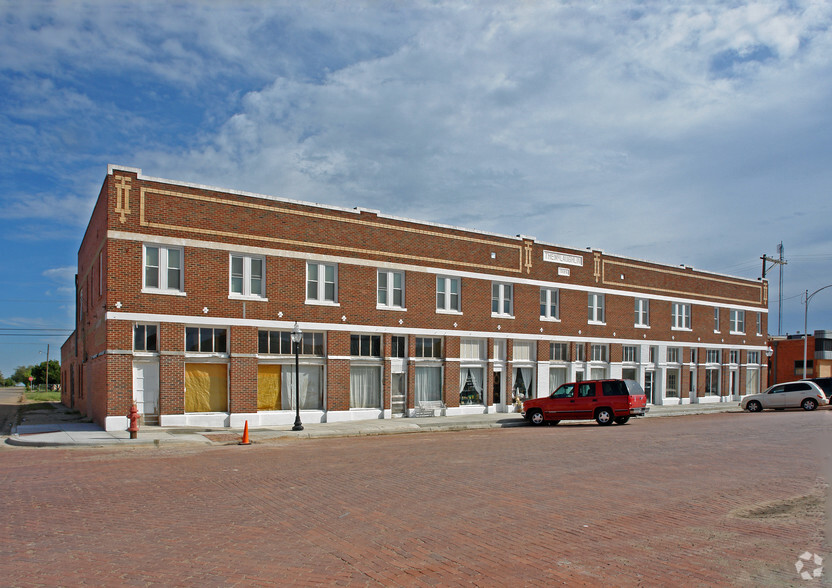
{"points": [[206, 387], [268, 387]]}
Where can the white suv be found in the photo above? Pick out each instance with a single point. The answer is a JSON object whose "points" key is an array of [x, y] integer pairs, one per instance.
{"points": [[806, 395]]}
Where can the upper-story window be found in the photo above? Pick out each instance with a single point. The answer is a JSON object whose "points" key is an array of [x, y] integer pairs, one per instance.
{"points": [[596, 308], [734, 356], [674, 355], [247, 276], [716, 320], [737, 321], [759, 323], [390, 289], [321, 282], [753, 357], [630, 354], [681, 316], [145, 338], [642, 312], [447, 294], [365, 345], [550, 303], [502, 299], [206, 340], [162, 269]]}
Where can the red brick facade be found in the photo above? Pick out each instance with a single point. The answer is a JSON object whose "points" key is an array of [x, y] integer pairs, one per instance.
{"points": [[199, 229]]}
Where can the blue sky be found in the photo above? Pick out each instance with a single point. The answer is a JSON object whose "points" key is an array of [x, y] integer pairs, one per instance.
{"points": [[692, 133]]}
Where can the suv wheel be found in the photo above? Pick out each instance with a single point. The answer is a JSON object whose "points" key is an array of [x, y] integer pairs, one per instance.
{"points": [[604, 416], [622, 420], [809, 404], [536, 417]]}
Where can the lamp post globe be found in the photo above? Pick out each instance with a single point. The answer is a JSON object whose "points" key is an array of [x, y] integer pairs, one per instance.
{"points": [[297, 336]]}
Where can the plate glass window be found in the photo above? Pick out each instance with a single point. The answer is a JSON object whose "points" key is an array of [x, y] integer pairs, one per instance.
{"points": [[280, 343]]}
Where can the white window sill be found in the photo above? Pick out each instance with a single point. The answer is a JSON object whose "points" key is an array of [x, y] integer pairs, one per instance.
{"points": [[736, 332], [444, 311], [505, 316], [637, 326], [393, 308], [681, 329], [550, 319], [165, 292], [247, 298], [322, 303], [205, 355], [600, 323]]}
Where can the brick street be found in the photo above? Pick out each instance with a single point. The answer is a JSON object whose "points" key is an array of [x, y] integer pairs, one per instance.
{"points": [[722, 499]]}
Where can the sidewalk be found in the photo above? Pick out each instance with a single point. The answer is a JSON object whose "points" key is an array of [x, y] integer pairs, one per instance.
{"points": [[62, 434]]}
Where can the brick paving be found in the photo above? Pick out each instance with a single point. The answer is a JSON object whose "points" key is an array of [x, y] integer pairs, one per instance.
{"points": [[657, 502]]}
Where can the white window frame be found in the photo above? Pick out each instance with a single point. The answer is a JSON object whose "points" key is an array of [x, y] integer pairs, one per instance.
{"points": [[549, 297], [674, 355], [680, 316], [759, 323], [629, 354], [596, 307], [321, 283], [503, 295], [389, 290], [603, 353], [247, 277], [163, 287], [716, 320], [447, 294], [642, 313], [737, 321]]}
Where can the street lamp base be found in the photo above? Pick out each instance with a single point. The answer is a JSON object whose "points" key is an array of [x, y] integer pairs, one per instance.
{"points": [[297, 427]]}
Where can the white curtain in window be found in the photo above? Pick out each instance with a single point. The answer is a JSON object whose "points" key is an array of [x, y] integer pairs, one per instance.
{"points": [[522, 385], [310, 388], [752, 381], [597, 373], [476, 378], [365, 387], [428, 384], [557, 377]]}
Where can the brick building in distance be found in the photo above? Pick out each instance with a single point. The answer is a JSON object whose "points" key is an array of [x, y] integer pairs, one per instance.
{"points": [[187, 296], [787, 357]]}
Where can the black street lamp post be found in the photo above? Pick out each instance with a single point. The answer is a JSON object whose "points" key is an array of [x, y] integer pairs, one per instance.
{"points": [[297, 337]]}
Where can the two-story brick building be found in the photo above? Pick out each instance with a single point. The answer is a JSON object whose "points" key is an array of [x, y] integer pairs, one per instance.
{"points": [[187, 296]]}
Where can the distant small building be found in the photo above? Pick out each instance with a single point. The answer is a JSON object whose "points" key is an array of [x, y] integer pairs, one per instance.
{"points": [[786, 362]]}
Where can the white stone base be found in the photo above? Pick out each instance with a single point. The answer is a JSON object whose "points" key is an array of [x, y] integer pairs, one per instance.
{"points": [[355, 414], [467, 409]]}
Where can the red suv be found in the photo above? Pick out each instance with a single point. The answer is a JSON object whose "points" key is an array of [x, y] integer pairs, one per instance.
{"points": [[603, 400]]}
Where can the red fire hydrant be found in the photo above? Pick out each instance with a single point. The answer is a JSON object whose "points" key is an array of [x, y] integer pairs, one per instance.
{"points": [[134, 422]]}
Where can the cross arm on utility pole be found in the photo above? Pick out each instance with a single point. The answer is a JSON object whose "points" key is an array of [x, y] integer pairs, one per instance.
{"points": [[774, 261]]}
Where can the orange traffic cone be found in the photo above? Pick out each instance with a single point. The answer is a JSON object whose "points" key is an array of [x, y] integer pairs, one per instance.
{"points": [[245, 440]]}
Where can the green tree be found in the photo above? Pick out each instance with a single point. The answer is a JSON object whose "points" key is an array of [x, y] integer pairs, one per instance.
{"points": [[21, 374], [39, 373]]}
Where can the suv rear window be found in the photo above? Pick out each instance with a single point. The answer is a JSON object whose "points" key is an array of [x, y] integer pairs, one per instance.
{"points": [[614, 388]]}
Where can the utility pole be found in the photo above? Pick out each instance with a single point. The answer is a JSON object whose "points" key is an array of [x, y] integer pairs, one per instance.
{"points": [[779, 262]]}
